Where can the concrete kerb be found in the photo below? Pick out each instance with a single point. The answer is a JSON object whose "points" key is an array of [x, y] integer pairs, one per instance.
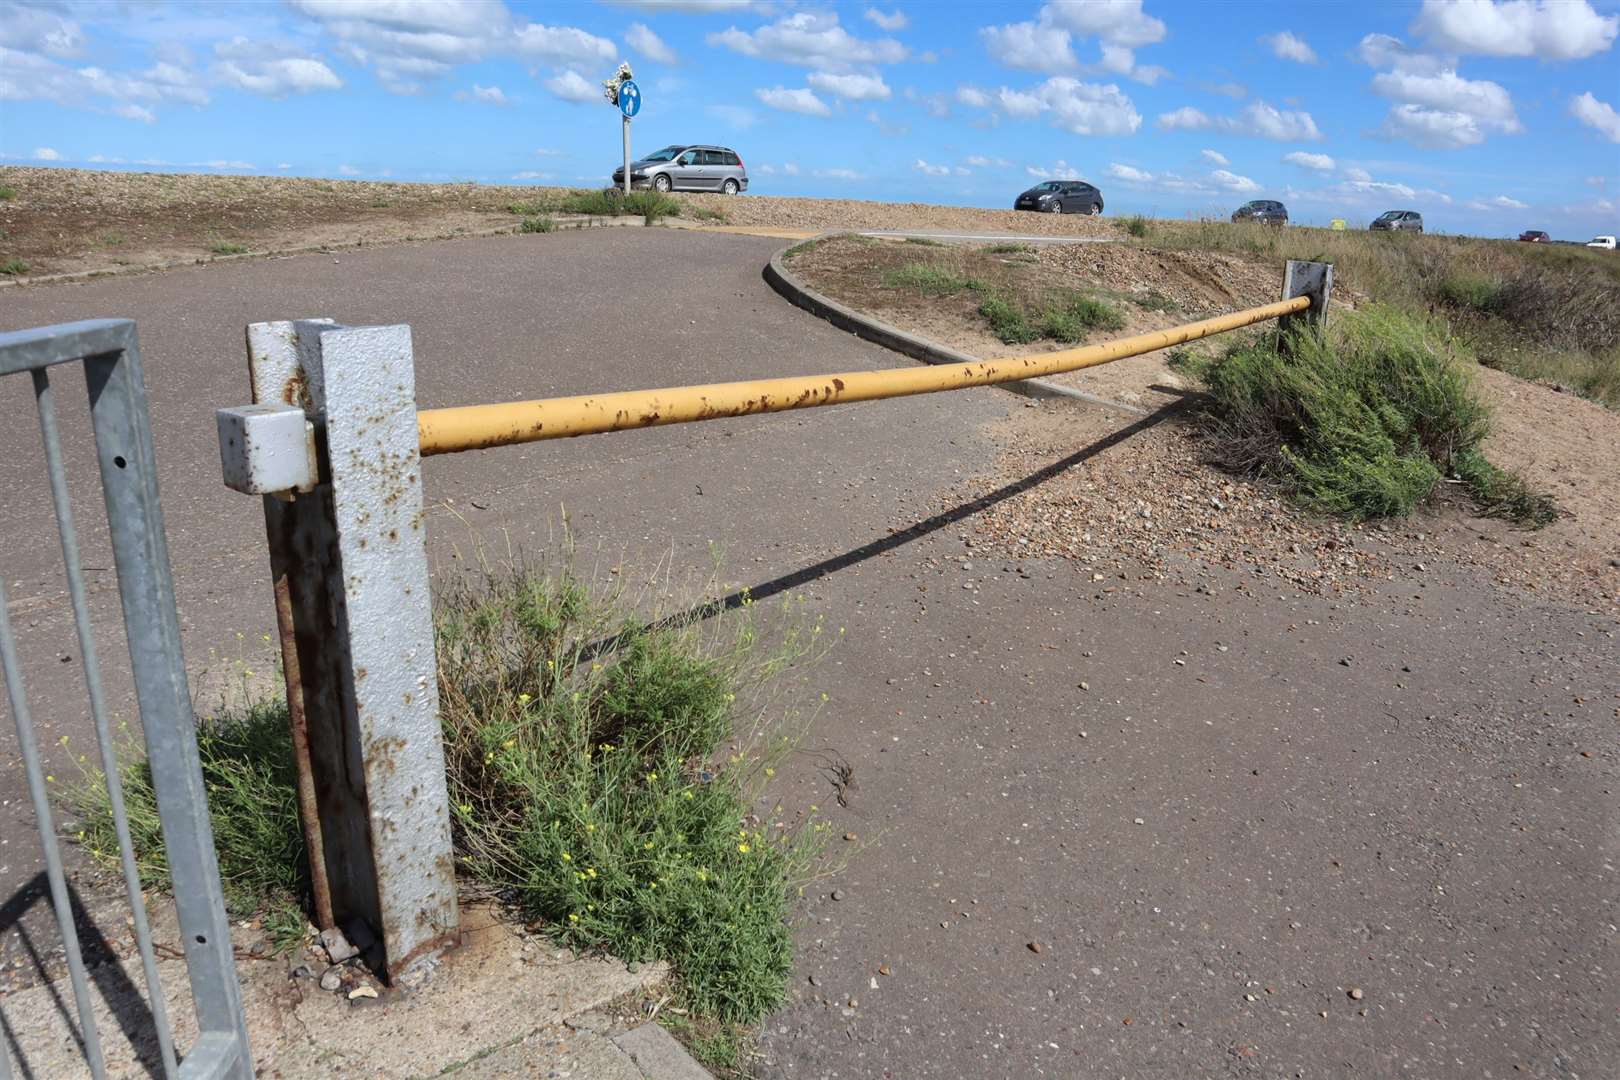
{"points": [[906, 343]]}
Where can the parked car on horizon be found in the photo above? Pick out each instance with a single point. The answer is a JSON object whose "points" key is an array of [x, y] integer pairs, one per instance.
{"points": [[1397, 221], [1061, 197], [687, 167], [1266, 211], [1605, 243], [1534, 236]]}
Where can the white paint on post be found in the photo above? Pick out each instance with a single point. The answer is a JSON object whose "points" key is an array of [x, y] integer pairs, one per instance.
{"points": [[362, 379], [626, 120]]}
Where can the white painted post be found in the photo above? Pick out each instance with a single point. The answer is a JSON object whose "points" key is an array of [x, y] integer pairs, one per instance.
{"points": [[1312, 279], [626, 155], [352, 557]]}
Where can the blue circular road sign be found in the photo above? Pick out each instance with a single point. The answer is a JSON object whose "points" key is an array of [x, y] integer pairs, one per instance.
{"points": [[629, 98]]}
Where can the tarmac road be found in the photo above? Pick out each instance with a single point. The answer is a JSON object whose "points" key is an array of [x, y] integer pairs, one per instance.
{"points": [[1258, 821]]}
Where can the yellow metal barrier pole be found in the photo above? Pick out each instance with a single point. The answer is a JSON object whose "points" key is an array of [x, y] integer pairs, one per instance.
{"points": [[474, 427]]}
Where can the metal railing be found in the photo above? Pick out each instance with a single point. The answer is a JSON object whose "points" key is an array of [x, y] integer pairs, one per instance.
{"points": [[123, 438]]}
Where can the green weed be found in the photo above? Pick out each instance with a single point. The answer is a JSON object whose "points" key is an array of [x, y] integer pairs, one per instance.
{"points": [[1471, 292], [1360, 422], [541, 224], [7, 192], [1010, 249], [704, 213], [930, 279], [1008, 321], [803, 248], [923, 241], [1069, 318], [1136, 225], [12, 267], [226, 247]]}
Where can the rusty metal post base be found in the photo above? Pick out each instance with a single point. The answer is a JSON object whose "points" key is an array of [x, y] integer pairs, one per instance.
{"points": [[350, 556]]}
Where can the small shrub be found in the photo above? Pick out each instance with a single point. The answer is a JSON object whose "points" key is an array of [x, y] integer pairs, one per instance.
{"points": [[704, 213], [1503, 494], [1069, 318], [651, 205], [12, 267], [607, 202], [226, 247], [1361, 422], [1010, 249], [7, 192], [923, 241], [526, 209], [1153, 301], [1008, 321], [1136, 225], [803, 248], [541, 224]]}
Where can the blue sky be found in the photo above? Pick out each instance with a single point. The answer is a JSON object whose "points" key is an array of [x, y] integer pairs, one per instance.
{"points": [[1489, 116]]}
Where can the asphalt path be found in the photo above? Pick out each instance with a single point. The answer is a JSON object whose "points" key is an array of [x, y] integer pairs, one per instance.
{"points": [[1257, 803]]}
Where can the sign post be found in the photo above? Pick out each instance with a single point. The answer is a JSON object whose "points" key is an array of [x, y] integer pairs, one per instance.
{"points": [[621, 90]]}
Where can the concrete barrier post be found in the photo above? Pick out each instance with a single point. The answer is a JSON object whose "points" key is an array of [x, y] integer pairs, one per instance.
{"points": [[1312, 279], [349, 559]]}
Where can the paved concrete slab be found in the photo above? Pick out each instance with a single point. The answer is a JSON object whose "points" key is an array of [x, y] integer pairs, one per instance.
{"points": [[657, 1054]]}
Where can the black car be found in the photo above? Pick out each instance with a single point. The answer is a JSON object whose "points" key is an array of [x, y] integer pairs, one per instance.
{"points": [[1266, 211], [1061, 197]]}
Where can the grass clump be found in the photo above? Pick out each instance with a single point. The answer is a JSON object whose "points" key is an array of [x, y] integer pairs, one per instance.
{"points": [[540, 224], [605, 795], [1136, 225], [1471, 292], [11, 267], [803, 248], [7, 193], [930, 279], [1010, 249], [704, 213], [248, 771], [604, 789], [1008, 321], [606, 202], [1360, 422], [1069, 318], [923, 241], [226, 247], [527, 209], [651, 205]]}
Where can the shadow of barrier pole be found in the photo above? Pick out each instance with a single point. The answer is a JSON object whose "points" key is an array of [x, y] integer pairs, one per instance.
{"points": [[333, 443]]}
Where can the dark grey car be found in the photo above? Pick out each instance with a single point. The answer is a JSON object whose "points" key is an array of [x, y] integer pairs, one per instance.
{"points": [[1397, 221], [1266, 211], [688, 167], [1061, 197]]}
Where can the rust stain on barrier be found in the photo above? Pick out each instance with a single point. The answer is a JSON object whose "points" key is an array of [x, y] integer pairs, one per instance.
{"points": [[308, 808], [444, 431]]}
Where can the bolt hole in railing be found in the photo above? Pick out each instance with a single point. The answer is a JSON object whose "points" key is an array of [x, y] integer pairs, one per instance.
{"points": [[108, 351]]}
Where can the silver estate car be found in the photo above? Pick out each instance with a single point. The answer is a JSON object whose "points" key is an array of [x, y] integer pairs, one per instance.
{"points": [[688, 167]]}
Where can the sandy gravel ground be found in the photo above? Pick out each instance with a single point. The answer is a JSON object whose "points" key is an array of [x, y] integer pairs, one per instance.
{"points": [[71, 220], [1163, 511]]}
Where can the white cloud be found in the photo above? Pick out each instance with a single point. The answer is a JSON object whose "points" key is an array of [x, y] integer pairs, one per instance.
{"points": [[32, 28], [489, 95], [254, 66], [801, 100], [220, 163], [1382, 50], [572, 86], [530, 174], [1215, 157], [980, 162], [26, 76], [810, 39], [1074, 106], [1446, 91], [348, 170], [1595, 114], [1233, 182], [1235, 91], [1044, 45], [1545, 29], [973, 97], [640, 38], [45, 153], [838, 174], [740, 117], [936, 104], [1287, 46], [1499, 202], [853, 87], [1129, 174], [1318, 162], [1030, 46], [932, 170], [1058, 168], [1432, 129], [1257, 119], [892, 21]]}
